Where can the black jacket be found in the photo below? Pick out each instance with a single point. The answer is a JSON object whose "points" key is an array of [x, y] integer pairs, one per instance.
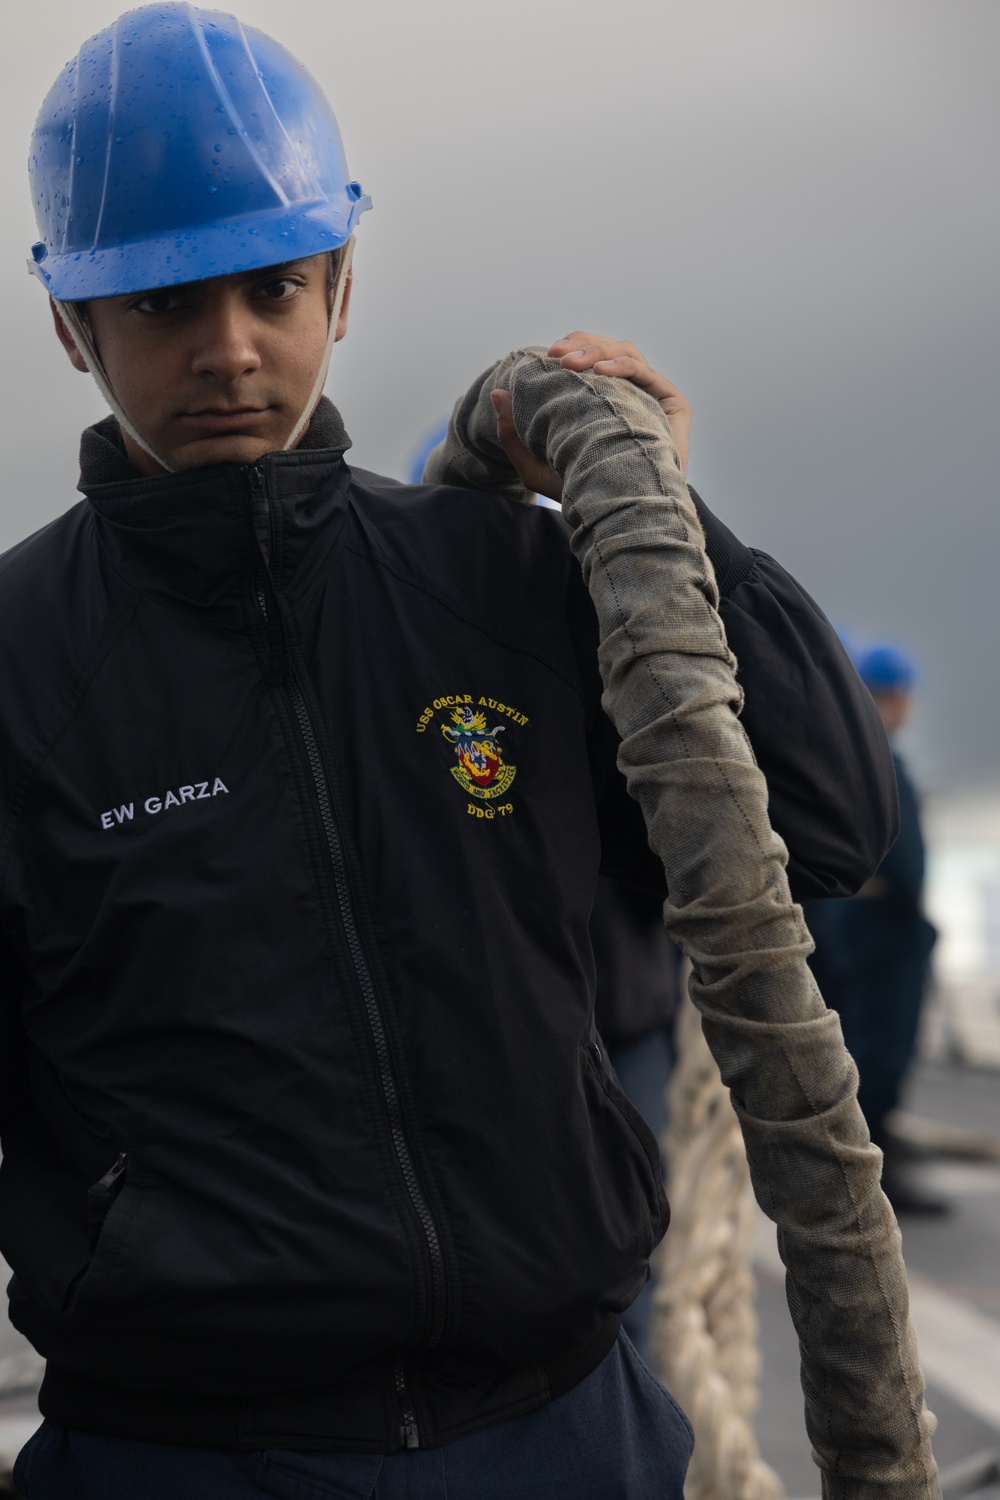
{"points": [[304, 788], [637, 968]]}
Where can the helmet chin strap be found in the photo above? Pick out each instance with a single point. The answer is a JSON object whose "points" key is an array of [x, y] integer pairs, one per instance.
{"points": [[76, 327], [337, 303]]}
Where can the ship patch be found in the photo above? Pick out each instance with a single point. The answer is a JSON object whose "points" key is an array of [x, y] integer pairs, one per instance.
{"points": [[474, 732]]}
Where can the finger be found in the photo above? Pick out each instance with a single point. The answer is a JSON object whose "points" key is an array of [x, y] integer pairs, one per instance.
{"points": [[674, 404], [574, 340], [621, 360], [586, 342], [625, 366], [592, 346], [642, 374], [589, 355]]}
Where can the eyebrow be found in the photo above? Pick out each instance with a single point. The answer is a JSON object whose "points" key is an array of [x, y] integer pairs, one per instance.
{"points": [[282, 266], [281, 269], [260, 273]]}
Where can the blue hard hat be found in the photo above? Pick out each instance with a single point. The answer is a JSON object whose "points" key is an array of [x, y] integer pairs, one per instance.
{"points": [[886, 668], [177, 145]]}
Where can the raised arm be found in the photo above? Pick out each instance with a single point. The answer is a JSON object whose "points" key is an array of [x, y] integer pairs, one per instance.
{"points": [[812, 723]]}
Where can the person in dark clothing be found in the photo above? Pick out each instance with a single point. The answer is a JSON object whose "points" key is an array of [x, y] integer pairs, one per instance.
{"points": [[873, 952], [312, 1157]]}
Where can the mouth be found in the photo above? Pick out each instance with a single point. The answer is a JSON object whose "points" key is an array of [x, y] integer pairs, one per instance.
{"points": [[221, 419]]}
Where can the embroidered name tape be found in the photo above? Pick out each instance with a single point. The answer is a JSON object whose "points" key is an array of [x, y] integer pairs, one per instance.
{"points": [[197, 791]]}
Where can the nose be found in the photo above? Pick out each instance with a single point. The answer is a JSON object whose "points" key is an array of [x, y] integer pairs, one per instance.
{"points": [[226, 347]]}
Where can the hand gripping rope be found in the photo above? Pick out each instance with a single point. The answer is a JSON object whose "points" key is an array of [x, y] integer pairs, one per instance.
{"points": [[671, 692]]}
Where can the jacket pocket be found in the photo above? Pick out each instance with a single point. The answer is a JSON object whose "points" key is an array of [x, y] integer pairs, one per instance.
{"points": [[642, 1141], [112, 1203], [102, 1195], [56, 1231]]}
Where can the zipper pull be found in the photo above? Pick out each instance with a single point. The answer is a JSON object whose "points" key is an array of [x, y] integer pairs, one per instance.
{"points": [[101, 1196], [109, 1181], [260, 507]]}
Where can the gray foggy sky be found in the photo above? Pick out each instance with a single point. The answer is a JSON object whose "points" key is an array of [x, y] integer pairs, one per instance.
{"points": [[790, 205]]}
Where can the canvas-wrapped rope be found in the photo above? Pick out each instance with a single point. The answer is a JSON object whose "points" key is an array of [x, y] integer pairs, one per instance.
{"points": [[671, 691]]}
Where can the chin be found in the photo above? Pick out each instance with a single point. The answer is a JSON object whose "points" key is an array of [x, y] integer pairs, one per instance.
{"points": [[228, 448]]}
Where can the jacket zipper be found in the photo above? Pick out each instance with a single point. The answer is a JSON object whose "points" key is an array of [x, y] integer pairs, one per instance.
{"points": [[409, 1432], [258, 493], [390, 1093]]}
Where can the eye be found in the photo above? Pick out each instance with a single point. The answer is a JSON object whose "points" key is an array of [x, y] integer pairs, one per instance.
{"points": [[157, 303], [281, 289]]}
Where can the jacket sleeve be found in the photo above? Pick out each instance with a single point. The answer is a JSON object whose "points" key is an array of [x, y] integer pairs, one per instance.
{"points": [[813, 725]]}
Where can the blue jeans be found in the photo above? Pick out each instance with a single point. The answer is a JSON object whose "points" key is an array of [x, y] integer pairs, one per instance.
{"points": [[617, 1436]]}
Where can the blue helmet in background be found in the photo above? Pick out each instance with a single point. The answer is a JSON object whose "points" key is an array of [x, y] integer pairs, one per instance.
{"points": [[178, 145], [419, 461], [886, 668]]}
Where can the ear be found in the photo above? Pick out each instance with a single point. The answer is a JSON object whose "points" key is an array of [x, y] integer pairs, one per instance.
{"points": [[65, 338], [344, 306]]}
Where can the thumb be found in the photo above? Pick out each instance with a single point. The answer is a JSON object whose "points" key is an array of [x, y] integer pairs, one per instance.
{"points": [[507, 436], [534, 473]]}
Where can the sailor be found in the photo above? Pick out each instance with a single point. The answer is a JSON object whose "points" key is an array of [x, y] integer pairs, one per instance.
{"points": [[872, 959], [315, 1176]]}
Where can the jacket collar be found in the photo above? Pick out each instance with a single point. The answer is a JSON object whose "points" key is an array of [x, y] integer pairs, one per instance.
{"points": [[192, 537], [103, 459]]}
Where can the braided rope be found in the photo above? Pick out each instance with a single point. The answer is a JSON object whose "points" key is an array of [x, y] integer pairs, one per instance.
{"points": [[704, 1341]]}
